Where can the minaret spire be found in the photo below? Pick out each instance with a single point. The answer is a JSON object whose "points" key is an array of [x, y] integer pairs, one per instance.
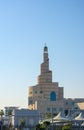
{"points": [[46, 74], [45, 54]]}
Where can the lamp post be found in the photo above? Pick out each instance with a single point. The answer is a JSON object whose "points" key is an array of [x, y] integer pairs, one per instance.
{"points": [[51, 103], [52, 113], [51, 106]]}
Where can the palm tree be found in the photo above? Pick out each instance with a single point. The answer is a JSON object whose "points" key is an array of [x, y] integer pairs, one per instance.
{"points": [[9, 114], [1, 113]]}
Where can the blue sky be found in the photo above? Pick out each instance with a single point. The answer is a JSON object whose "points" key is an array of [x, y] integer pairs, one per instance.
{"points": [[25, 26]]}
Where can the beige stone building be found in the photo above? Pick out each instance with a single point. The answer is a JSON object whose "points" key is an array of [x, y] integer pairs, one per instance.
{"points": [[47, 96]]}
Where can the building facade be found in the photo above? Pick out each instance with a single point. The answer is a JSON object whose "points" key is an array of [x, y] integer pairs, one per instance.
{"points": [[9, 108], [47, 96], [31, 117]]}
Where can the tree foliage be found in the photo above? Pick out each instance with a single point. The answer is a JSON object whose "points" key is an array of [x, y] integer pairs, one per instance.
{"points": [[1, 113], [9, 112], [22, 122]]}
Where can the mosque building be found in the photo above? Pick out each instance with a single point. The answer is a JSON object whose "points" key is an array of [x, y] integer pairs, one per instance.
{"points": [[47, 96]]}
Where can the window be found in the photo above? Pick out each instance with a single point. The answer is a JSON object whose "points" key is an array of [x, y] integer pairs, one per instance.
{"points": [[30, 92], [54, 109], [41, 91], [53, 96], [66, 112], [35, 91], [48, 109], [30, 102], [61, 109], [66, 103], [72, 103]]}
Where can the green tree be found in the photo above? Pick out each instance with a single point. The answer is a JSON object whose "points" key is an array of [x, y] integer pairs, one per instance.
{"points": [[1, 113], [10, 114], [67, 127], [37, 127], [22, 123], [45, 125], [48, 115]]}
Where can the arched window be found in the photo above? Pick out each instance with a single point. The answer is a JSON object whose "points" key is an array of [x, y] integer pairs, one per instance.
{"points": [[53, 96]]}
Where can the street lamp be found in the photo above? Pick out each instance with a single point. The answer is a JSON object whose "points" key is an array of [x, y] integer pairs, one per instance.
{"points": [[52, 113], [51, 107]]}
